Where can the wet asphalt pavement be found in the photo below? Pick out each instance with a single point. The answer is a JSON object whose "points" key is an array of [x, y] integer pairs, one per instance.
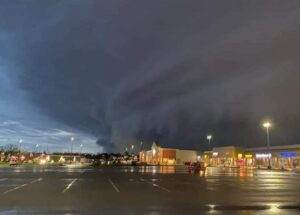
{"points": [[147, 190]]}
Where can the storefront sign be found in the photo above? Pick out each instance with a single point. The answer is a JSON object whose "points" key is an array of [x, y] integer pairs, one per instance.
{"points": [[240, 156], [288, 154], [263, 155], [248, 156], [215, 154]]}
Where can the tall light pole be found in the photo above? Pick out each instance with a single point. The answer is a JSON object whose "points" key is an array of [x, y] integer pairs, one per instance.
{"points": [[267, 125], [209, 137], [36, 147], [72, 140], [141, 145], [20, 143], [132, 148], [80, 150]]}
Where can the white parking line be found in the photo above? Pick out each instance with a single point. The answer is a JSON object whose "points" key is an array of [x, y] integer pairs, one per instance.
{"points": [[160, 187], [3, 179], [156, 185], [114, 186], [69, 185], [23, 185]]}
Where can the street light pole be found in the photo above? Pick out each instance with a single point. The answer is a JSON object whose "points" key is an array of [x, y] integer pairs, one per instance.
{"points": [[209, 137], [267, 125], [132, 148], [72, 140], [80, 150], [20, 142]]}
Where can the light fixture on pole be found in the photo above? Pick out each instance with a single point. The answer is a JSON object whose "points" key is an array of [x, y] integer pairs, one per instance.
{"points": [[20, 143], [80, 149], [72, 140], [209, 137], [36, 147], [268, 125]]}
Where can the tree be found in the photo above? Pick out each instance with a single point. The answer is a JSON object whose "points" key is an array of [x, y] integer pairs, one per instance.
{"points": [[10, 149]]}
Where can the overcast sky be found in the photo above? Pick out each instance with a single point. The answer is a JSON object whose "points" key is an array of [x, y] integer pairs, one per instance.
{"points": [[114, 73]]}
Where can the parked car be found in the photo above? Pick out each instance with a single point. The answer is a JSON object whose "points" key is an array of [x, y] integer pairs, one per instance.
{"points": [[14, 161], [196, 167]]}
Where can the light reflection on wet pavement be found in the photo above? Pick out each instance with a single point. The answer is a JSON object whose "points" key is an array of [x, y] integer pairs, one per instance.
{"points": [[147, 190]]}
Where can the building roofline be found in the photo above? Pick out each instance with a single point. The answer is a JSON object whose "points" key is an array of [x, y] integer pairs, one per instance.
{"points": [[282, 147]]}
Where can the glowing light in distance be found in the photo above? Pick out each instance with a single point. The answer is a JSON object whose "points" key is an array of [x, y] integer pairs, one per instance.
{"points": [[263, 155], [267, 124]]}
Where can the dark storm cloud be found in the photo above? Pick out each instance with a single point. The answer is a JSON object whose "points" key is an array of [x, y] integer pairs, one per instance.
{"points": [[170, 71]]}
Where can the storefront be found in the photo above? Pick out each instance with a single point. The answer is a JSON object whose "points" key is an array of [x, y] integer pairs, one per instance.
{"points": [[280, 157], [262, 159], [166, 156], [229, 156], [245, 160], [287, 160], [249, 160]]}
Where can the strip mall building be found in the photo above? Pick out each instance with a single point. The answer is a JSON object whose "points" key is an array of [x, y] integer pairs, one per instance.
{"points": [[167, 156], [287, 157]]}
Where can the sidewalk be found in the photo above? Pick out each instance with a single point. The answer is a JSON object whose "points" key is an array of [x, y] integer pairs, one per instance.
{"points": [[257, 168], [275, 169]]}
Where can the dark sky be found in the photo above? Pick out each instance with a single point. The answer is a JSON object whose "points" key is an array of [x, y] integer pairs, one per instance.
{"points": [[114, 73]]}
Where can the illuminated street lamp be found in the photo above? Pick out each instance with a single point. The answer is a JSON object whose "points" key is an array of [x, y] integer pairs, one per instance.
{"points": [[72, 140], [132, 149], [20, 142], [268, 125], [141, 145], [209, 137]]}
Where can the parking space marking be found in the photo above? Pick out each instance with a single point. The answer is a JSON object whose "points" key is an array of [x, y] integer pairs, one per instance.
{"points": [[114, 186], [69, 185], [23, 185], [160, 187], [3, 179], [156, 185]]}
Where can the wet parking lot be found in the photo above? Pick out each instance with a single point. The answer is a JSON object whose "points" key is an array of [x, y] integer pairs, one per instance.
{"points": [[147, 190]]}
